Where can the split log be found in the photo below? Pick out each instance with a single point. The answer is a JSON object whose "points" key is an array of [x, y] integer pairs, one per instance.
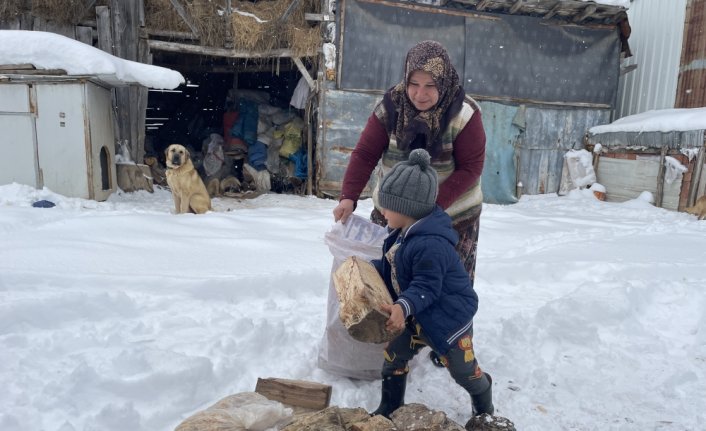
{"points": [[298, 393], [361, 291]]}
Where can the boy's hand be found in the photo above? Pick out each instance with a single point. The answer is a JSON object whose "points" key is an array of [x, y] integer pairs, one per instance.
{"points": [[395, 323]]}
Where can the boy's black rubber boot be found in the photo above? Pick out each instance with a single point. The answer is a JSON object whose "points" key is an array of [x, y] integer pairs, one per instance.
{"points": [[483, 402], [393, 388], [435, 359]]}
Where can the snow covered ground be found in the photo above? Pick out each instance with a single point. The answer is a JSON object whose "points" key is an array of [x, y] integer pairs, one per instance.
{"points": [[121, 316]]}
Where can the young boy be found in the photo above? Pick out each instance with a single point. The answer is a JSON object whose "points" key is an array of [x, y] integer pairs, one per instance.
{"points": [[434, 300]]}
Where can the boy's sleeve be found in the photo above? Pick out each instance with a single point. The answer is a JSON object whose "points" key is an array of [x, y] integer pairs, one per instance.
{"points": [[428, 268]]}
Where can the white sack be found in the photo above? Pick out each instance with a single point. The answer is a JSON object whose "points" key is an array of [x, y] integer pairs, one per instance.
{"points": [[339, 353]]}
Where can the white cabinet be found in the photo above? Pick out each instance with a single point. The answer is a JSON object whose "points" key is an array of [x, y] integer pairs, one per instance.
{"points": [[58, 135]]}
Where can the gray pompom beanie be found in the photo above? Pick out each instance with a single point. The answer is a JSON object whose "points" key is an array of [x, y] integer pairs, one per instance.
{"points": [[411, 187]]}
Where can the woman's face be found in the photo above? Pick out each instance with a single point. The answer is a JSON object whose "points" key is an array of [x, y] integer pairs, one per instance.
{"points": [[422, 91]]}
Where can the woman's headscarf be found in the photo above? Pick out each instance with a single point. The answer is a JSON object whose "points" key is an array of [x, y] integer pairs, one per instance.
{"points": [[406, 120]]}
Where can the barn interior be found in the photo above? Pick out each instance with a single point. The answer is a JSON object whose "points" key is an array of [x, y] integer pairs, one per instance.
{"points": [[245, 111], [212, 115]]}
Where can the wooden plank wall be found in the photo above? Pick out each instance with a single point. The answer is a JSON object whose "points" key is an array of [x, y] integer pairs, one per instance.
{"points": [[130, 103]]}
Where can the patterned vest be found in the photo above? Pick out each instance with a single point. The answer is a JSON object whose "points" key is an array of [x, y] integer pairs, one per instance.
{"points": [[443, 164]]}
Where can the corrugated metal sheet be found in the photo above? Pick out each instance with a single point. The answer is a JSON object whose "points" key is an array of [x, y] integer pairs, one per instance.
{"points": [[646, 140], [691, 90], [656, 43], [535, 138], [549, 134]]}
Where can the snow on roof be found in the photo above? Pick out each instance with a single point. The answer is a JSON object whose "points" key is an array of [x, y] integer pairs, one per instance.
{"points": [[662, 120], [53, 51]]}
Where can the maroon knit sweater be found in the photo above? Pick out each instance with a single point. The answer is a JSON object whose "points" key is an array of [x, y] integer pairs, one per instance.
{"points": [[468, 153]]}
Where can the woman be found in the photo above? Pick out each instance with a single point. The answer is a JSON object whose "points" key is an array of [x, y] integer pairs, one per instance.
{"points": [[429, 110]]}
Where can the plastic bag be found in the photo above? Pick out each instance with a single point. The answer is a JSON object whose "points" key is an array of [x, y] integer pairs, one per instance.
{"points": [[213, 161], [339, 353], [246, 411]]}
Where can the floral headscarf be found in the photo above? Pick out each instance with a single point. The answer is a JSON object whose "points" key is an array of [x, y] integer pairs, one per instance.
{"points": [[406, 120]]}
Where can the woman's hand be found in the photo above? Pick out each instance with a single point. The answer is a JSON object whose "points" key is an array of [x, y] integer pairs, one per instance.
{"points": [[395, 323], [343, 210]]}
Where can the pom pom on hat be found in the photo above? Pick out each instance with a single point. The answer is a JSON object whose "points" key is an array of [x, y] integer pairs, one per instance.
{"points": [[411, 187]]}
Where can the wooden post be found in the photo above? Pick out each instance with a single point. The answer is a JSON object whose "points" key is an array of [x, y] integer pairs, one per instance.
{"points": [[228, 43], [660, 178], [123, 17], [696, 177]]}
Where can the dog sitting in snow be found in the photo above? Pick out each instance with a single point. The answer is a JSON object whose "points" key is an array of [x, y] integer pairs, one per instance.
{"points": [[188, 190], [699, 208]]}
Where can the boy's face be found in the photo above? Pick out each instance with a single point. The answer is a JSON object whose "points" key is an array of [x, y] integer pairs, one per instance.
{"points": [[396, 220]]}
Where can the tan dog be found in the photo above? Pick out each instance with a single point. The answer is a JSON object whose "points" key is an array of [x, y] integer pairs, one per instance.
{"points": [[699, 208], [187, 188]]}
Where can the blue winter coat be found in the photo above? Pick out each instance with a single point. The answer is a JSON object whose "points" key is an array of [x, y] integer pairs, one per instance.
{"points": [[434, 285]]}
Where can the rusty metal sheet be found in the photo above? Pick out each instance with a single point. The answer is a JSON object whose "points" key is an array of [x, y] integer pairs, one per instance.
{"points": [[499, 178], [343, 115], [691, 89], [549, 134], [649, 140]]}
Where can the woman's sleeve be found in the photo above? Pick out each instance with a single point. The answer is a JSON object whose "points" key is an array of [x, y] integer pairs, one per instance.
{"points": [[364, 158], [469, 156]]}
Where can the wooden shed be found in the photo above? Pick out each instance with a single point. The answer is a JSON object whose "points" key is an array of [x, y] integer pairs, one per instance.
{"points": [[264, 46], [669, 163], [544, 72]]}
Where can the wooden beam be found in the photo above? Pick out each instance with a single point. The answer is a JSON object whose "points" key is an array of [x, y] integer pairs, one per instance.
{"points": [[23, 66], [184, 48], [660, 179], [516, 7], [305, 73], [184, 14], [553, 11], [42, 72], [184, 35], [587, 11], [696, 175], [482, 4], [105, 37], [293, 5], [228, 43], [318, 17]]}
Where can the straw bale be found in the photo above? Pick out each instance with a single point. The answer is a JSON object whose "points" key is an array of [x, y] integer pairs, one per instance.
{"points": [[208, 18], [255, 26], [306, 41], [160, 15], [250, 33], [9, 9]]}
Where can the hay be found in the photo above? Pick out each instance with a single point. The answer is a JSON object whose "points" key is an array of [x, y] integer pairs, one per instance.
{"points": [[306, 41], [208, 18], [251, 34], [61, 11], [160, 14], [10, 9], [255, 26]]}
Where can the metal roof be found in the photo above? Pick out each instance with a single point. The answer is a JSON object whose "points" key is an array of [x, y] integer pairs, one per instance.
{"points": [[576, 11]]}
